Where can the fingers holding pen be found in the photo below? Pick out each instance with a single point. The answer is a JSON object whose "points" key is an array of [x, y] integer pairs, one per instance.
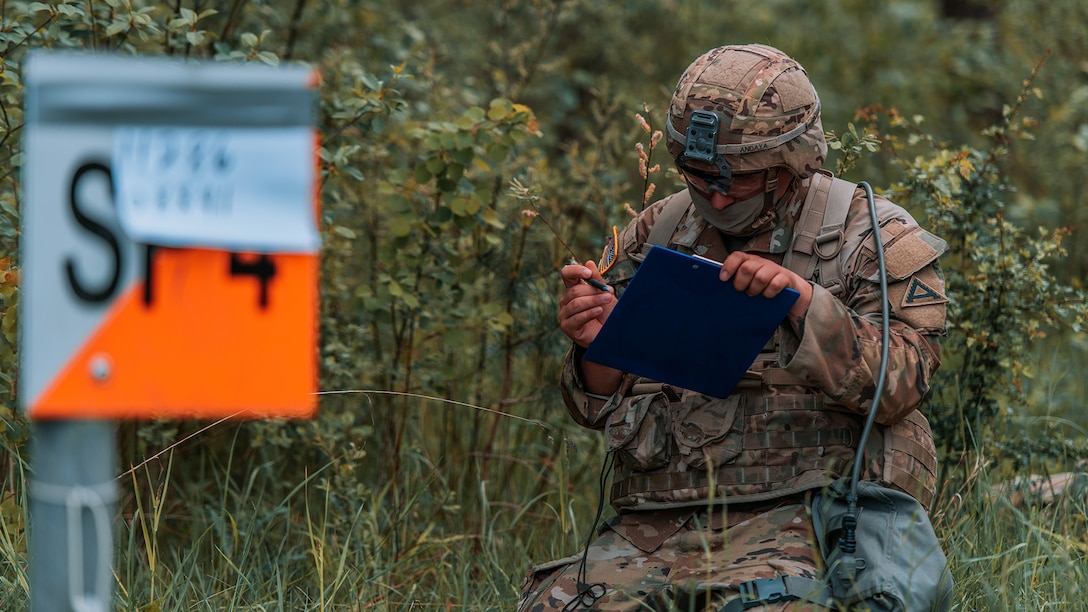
{"points": [[574, 274], [583, 307], [582, 282]]}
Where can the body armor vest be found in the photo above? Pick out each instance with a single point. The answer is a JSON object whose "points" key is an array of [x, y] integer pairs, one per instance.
{"points": [[774, 435]]}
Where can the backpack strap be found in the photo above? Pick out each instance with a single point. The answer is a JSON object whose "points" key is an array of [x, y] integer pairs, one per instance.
{"points": [[820, 232], [666, 222]]}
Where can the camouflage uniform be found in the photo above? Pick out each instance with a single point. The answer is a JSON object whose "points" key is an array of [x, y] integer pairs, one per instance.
{"points": [[711, 492], [671, 559]]}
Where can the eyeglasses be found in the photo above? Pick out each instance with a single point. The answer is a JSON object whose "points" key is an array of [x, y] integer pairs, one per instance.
{"points": [[739, 185]]}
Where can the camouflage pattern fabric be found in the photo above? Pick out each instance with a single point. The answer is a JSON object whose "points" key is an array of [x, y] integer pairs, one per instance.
{"points": [[791, 424], [759, 92], [681, 560]]}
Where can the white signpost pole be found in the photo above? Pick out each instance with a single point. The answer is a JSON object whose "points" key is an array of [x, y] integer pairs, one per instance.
{"points": [[169, 256], [72, 505]]}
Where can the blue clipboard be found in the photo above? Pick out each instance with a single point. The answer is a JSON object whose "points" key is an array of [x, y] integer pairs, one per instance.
{"points": [[678, 323]]}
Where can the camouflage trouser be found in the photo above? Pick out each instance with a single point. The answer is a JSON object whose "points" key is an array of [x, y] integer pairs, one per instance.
{"points": [[671, 560]]}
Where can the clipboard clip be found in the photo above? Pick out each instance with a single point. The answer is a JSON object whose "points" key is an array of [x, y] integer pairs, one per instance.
{"points": [[707, 259]]}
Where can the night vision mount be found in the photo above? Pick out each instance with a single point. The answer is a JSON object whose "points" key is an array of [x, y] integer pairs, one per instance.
{"points": [[700, 145]]}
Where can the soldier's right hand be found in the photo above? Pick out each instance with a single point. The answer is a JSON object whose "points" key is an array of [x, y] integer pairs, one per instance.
{"points": [[583, 308]]}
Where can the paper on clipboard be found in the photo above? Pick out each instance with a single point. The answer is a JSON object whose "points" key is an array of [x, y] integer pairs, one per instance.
{"points": [[678, 323]]}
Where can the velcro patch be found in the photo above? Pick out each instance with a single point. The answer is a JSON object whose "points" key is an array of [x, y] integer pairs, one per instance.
{"points": [[920, 293], [907, 250], [909, 254]]}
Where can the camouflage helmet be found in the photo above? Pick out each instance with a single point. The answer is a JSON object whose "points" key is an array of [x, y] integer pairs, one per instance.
{"points": [[768, 111]]}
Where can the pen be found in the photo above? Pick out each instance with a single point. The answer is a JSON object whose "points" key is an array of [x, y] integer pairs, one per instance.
{"points": [[592, 282]]}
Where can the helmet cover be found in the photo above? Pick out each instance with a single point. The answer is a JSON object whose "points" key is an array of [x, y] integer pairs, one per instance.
{"points": [[768, 110]]}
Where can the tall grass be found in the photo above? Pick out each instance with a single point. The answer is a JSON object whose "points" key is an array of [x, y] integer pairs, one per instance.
{"points": [[1009, 557], [240, 528], [14, 583], [198, 533]]}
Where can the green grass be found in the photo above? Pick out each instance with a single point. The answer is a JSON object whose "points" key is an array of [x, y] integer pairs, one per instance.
{"points": [[1010, 558], [231, 520], [274, 516]]}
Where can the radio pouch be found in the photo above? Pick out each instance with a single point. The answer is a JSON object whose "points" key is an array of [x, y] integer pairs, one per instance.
{"points": [[898, 564]]}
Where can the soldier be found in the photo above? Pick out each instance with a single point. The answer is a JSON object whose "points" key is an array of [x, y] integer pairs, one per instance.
{"points": [[713, 495]]}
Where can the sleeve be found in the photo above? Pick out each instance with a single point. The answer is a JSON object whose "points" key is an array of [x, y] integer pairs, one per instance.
{"points": [[837, 346], [574, 393], [618, 265]]}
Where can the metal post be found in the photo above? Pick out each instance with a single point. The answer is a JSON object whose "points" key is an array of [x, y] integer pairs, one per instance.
{"points": [[73, 499]]}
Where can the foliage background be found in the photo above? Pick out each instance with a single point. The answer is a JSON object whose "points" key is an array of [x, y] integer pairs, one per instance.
{"points": [[441, 464]]}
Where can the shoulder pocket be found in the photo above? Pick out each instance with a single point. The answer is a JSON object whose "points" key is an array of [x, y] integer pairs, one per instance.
{"points": [[907, 249]]}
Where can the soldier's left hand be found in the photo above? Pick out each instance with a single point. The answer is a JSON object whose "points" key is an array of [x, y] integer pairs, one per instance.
{"points": [[755, 275]]}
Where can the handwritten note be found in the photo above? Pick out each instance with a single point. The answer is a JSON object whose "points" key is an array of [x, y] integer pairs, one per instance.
{"points": [[238, 189]]}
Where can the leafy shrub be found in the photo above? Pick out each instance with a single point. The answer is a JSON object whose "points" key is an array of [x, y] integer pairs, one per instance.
{"points": [[441, 462], [1002, 290]]}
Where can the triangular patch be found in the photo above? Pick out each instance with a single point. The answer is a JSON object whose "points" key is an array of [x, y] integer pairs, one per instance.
{"points": [[920, 294]]}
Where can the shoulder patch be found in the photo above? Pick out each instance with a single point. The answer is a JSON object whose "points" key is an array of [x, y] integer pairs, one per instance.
{"points": [[913, 249], [608, 257], [907, 251], [919, 301], [920, 293]]}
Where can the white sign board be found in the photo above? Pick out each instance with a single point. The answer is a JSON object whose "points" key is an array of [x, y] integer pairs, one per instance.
{"points": [[229, 188], [169, 245]]}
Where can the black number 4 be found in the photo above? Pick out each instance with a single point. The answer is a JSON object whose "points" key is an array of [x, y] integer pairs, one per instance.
{"points": [[263, 268]]}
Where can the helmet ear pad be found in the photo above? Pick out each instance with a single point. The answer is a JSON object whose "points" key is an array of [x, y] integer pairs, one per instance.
{"points": [[769, 112]]}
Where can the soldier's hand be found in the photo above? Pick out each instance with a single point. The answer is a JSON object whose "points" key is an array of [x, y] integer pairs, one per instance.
{"points": [[755, 275], [583, 309]]}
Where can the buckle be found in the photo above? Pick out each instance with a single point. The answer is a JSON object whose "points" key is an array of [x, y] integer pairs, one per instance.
{"points": [[762, 590], [836, 287]]}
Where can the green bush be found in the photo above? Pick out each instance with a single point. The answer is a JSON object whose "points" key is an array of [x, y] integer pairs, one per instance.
{"points": [[467, 149], [1004, 296]]}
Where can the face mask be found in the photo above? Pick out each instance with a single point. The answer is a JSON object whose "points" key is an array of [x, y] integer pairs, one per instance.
{"points": [[742, 218]]}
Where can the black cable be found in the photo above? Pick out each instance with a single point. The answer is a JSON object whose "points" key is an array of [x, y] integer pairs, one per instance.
{"points": [[848, 542], [588, 594]]}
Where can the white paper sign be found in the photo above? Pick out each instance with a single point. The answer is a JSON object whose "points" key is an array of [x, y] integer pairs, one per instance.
{"points": [[238, 189]]}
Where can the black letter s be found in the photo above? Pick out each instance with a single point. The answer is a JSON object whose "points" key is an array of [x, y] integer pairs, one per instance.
{"points": [[96, 228]]}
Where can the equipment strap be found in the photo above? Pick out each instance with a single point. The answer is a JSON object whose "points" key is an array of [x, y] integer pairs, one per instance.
{"points": [[672, 481], [820, 232], [762, 591], [667, 220]]}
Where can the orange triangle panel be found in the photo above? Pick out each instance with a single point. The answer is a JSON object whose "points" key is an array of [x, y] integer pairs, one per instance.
{"points": [[213, 334]]}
